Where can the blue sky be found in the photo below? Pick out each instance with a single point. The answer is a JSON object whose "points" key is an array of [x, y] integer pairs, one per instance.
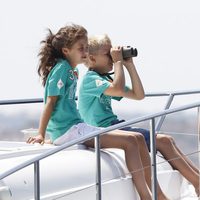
{"points": [[166, 34]]}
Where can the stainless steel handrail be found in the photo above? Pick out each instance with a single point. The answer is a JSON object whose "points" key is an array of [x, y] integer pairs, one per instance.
{"points": [[175, 93], [148, 94], [171, 95], [99, 132], [198, 118], [96, 134], [21, 101]]}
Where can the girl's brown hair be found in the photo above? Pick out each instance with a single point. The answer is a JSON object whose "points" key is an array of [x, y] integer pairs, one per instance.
{"points": [[51, 49]]}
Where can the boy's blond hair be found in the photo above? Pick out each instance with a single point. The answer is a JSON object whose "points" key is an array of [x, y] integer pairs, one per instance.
{"points": [[95, 43]]}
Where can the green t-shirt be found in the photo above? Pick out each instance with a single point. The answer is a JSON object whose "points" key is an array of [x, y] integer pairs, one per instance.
{"points": [[62, 82], [95, 107]]}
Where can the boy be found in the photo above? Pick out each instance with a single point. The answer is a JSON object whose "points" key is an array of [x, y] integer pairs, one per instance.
{"points": [[97, 90]]}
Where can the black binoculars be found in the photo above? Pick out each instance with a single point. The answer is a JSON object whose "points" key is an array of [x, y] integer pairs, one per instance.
{"points": [[128, 52]]}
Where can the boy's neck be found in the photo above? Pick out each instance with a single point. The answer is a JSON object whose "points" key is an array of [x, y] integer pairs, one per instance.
{"points": [[103, 74]]}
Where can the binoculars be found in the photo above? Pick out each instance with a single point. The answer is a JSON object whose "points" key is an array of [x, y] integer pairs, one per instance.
{"points": [[128, 52]]}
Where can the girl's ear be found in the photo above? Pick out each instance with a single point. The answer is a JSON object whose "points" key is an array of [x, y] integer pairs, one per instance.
{"points": [[64, 51]]}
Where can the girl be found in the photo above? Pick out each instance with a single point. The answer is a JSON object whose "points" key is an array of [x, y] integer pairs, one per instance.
{"points": [[59, 56], [100, 62]]}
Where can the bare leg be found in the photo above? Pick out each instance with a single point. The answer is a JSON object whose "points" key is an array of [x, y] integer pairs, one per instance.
{"points": [[193, 167], [168, 148], [187, 160], [128, 143], [144, 152]]}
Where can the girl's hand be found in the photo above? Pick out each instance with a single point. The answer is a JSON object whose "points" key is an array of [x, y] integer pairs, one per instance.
{"points": [[36, 139]]}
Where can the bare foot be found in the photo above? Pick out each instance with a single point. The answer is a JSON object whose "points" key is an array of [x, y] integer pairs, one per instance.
{"points": [[197, 192], [163, 198]]}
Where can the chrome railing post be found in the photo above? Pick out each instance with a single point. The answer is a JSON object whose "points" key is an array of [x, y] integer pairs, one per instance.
{"points": [[199, 140], [37, 180], [95, 135], [162, 118], [98, 167], [153, 159]]}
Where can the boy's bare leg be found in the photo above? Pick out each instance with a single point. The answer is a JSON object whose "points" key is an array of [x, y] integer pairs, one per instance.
{"points": [[146, 162], [128, 143], [197, 189], [166, 146], [187, 160]]}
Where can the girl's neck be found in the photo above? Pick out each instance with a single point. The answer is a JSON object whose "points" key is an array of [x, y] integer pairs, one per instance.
{"points": [[70, 63]]}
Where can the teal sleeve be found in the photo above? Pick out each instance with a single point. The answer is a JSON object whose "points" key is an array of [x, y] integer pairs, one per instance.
{"points": [[94, 85], [57, 82]]}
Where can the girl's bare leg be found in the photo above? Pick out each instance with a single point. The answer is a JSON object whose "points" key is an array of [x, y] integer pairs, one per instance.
{"points": [[128, 142], [168, 148]]}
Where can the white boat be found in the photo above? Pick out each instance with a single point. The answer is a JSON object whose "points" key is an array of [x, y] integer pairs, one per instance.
{"points": [[70, 174], [47, 172]]}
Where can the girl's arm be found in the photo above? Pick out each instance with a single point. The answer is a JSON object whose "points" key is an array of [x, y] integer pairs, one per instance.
{"points": [[137, 90], [117, 86], [46, 114]]}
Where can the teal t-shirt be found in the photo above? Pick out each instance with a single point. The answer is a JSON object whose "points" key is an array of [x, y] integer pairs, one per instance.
{"points": [[62, 82], [95, 107]]}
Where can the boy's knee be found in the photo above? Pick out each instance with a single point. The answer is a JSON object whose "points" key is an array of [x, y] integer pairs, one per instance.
{"points": [[140, 138], [164, 140], [130, 141]]}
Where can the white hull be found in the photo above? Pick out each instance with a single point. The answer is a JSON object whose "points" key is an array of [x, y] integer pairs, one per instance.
{"points": [[70, 175]]}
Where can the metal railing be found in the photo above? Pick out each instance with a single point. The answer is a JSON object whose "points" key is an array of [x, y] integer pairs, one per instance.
{"points": [[169, 101], [96, 134]]}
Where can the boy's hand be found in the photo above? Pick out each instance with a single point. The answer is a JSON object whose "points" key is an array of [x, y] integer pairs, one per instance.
{"points": [[36, 139], [116, 54], [128, 62]]}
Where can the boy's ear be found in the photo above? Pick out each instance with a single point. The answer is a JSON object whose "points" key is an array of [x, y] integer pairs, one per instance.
{"points": [[92, 58]]}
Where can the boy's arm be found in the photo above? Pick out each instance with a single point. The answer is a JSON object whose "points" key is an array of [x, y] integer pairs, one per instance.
{"points": [[116, 88], [137, 90]]}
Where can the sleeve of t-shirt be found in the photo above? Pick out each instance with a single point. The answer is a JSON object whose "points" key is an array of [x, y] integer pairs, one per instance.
{"points": [[57, 82], [95, 85]]}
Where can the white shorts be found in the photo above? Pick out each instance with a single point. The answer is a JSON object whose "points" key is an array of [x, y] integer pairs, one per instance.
{"points": [[75, 132]]}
